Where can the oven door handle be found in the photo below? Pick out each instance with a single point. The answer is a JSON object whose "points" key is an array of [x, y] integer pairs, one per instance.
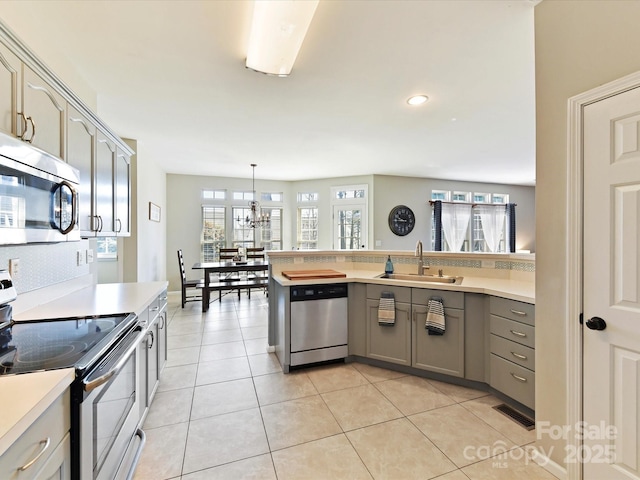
{"points": [[93, 384]]}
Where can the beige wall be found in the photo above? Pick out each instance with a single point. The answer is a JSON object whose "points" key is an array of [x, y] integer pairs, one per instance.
{"points": [[579, 45]]}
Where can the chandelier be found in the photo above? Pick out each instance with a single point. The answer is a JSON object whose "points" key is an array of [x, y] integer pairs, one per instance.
{"points": [[255, 219]]}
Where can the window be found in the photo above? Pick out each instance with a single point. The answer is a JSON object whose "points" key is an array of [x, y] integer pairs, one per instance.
{"points": [[480, 227], [307, 197], [461, 196], [214, 194], [243, 235], [213, 232], [349, 192], [349, 208], [272, 197], [107, 248], [271, 236], [243, 196], [307, 228]]}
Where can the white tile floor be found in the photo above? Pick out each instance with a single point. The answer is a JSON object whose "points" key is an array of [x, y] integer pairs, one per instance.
{"points": [[225, 410]]}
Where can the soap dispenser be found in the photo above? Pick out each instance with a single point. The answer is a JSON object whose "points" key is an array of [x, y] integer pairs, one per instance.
{"points": [[388, 267]]}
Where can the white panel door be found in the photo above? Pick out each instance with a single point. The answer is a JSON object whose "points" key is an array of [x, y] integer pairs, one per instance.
{"points": [[611, 362]]}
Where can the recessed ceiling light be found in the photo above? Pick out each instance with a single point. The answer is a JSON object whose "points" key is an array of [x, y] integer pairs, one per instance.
{"points": [[417, 100]]}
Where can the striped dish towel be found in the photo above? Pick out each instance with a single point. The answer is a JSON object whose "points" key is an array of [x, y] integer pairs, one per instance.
{"points": [[435, 316], [387, 309]]}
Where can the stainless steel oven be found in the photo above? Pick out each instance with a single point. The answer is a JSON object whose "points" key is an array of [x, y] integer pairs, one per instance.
{"points": [[105, 396], [106, 411]]}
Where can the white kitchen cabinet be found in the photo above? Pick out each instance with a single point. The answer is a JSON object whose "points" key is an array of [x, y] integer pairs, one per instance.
{"points": [[44, 449]]}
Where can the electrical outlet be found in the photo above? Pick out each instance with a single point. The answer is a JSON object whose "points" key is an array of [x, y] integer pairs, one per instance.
{"points": [[90, 255], [488, 263], [14, 267], [80, 257]]}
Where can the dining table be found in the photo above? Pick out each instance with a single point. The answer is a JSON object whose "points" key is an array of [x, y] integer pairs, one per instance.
{"points": [[226, 267]]}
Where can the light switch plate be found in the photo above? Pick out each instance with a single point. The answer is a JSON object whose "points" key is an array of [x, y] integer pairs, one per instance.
{"points": [[90, 255], [14, 267], [488, 264]]}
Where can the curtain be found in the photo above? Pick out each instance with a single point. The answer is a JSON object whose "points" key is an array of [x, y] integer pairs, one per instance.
{"points": [[455, 222], [437, 216], [492, 217], [511, 213]]}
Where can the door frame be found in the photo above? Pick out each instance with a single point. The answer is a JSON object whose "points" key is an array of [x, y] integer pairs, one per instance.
{"points": [[574, 250]]}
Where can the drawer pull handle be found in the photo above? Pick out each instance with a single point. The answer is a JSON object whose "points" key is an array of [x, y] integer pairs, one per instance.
{"points": [[518, 377], [517, 355], [518, 334], [154, 309], [46, 442], [518, 312]]}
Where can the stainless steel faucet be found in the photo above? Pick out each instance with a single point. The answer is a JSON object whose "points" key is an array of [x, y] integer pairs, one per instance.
{"points": [[421, 266]]}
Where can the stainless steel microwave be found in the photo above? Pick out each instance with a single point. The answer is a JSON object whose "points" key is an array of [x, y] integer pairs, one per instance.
{"points": [[38, 195]]}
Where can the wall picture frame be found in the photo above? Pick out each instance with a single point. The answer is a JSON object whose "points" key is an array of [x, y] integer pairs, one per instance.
{"points": [[154, 212]]}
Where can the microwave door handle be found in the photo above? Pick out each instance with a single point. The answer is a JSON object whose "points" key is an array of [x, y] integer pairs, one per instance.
{"points": [[64, 184]]}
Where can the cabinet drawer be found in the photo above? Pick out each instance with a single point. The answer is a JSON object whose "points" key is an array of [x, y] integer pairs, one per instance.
{"points": [[401, 294], [162, 300], [516, 331], [514, 352], [421, 296], [518, 311], [513, 380], [53, 424]]}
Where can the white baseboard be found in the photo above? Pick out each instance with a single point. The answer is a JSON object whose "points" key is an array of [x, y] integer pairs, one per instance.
{"points": [[548, 464]]}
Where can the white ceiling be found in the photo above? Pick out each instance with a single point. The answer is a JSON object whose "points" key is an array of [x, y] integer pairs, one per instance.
{"points": [[171, 75]]}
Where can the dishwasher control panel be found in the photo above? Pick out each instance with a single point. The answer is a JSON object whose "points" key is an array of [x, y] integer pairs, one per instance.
{"points": [[319, 292]]}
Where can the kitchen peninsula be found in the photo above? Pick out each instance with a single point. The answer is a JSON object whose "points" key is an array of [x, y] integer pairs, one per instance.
{"points": [[490, 328]]}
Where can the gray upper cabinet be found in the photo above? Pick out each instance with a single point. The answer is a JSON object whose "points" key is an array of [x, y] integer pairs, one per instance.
{"points": [[104, 185], [30, 108], [81, 139], [38, 108], [44, 111], [10, 84], [123, 193]]}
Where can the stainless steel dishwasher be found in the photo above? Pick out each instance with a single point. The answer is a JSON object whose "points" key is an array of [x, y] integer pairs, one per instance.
{"points": [[319, 324]]}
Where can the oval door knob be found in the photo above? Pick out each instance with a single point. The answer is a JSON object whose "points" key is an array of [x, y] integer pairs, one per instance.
{"points": [[596, 323]]}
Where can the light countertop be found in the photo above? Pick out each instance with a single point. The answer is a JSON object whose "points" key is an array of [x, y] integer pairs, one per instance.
{"points": [[101, 299], [25, 398], [506, 288]]}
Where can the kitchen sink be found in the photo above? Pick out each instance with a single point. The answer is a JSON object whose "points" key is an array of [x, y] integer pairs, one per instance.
{"points": [[413, 277]]}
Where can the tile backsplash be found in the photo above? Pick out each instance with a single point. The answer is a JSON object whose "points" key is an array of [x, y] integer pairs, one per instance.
{"points": [[42, 265]]}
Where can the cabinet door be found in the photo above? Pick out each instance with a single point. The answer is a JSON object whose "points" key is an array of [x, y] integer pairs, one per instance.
{"points": [[162, 340], [439, 353], [357, 319], [58, 466], [123, 193], [105, 152], [81, 136], [153, 375], [391, 343], [10, 82], [45, 111]]}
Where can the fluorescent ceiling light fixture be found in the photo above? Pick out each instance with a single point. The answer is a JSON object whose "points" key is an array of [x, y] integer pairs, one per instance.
{"points": [[417, 100], [278, 29]]}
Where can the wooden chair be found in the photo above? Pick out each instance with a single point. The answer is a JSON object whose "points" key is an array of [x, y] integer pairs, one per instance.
{"points": [[256, 254], [189, 284], [227, 254]]}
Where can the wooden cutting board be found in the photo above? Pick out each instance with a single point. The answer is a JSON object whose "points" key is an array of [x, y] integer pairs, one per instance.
{"points": [[312, 274]]}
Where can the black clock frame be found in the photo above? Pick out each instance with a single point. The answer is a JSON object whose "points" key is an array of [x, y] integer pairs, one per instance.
{"points": [[405, 226]]}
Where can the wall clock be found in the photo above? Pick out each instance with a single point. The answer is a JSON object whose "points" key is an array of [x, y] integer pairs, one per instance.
{"points": [[401, 220]]}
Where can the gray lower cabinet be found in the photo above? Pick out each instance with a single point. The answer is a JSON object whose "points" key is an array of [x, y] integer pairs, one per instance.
{"points": [[439, 353], [153, 349], [357, 319], [44, 449], [407, 342], [512, 344]]}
